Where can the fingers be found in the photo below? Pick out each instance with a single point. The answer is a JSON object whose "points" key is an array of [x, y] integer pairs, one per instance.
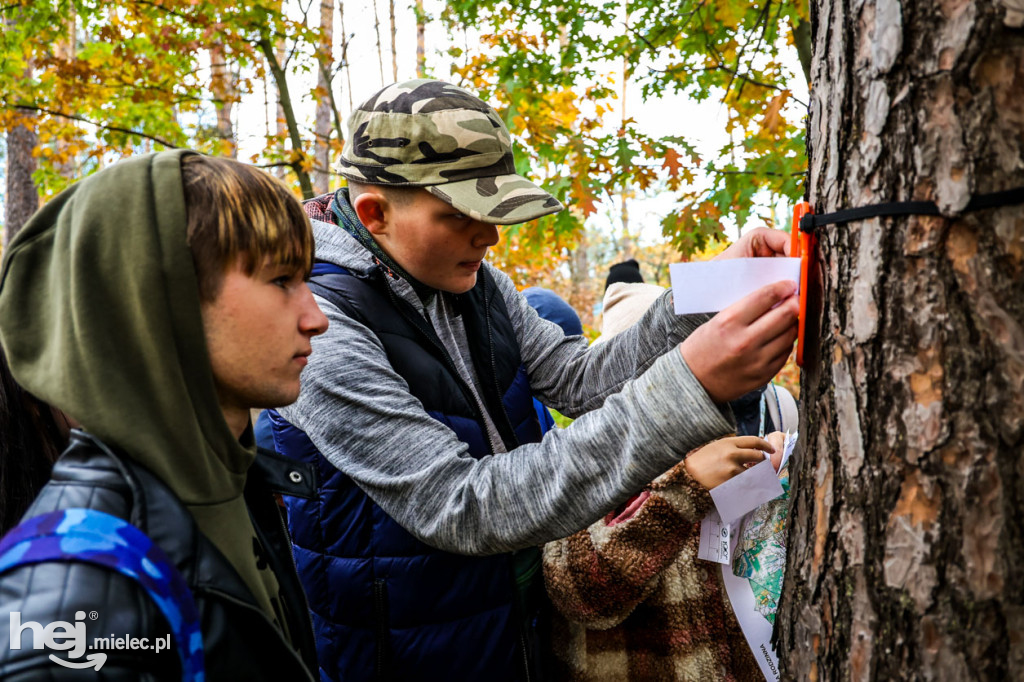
{"points": [[765, 242], [757, 303], [780, 343], [760, 242], [748, 451], [744, 459], [780, 323], [751, 443]]}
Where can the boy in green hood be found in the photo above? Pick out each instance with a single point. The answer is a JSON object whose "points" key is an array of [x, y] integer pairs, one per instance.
{"points": [[155, 303]]}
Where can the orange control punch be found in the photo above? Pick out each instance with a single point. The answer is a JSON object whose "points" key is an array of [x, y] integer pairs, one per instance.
{"points": [[802, 246]]}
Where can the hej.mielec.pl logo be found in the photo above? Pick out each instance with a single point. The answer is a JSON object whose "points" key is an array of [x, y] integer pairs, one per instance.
{"points": [[71, 637]]}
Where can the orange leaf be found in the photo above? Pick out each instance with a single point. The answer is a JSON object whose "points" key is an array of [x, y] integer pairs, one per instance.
{"points": [[671, 162]]}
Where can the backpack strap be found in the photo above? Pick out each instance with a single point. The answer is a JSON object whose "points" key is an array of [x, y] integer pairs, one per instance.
{"points": [[94, 537]]}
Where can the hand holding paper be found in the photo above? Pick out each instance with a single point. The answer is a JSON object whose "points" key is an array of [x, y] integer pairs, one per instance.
{"points": [[746, 344], [720, 460], [759, 242]]}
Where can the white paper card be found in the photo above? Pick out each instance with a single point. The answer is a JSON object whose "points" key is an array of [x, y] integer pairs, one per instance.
{"points": [[756, 628], [788, 447], [714, 540], [747, 491], [710, 286]]}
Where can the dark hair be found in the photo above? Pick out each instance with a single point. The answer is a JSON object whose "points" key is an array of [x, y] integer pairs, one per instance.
{"points": [[235, 211], [31, 442], [627, 271]]}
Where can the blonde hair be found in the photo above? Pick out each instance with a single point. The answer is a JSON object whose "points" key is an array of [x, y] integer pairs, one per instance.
{"points": [[239, 214]]}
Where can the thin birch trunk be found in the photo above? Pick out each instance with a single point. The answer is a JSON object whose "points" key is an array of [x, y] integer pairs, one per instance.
{"points": [[325, 97]]}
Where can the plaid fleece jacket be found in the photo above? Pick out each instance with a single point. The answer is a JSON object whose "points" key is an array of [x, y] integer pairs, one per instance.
{"points": [[634, 602]]}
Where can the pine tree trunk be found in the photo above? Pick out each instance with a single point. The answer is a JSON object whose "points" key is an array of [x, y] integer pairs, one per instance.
{"points": [[222, 86], [421, 40], [906, 545], [324, 102], [22, 198], [64, 161], [394, 41]]}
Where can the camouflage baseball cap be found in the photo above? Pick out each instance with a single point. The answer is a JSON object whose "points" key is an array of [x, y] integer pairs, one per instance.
{"points": [[431, 134]]}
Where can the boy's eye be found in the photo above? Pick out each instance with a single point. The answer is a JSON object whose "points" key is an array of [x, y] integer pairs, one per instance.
{"points": [[283, 281]]}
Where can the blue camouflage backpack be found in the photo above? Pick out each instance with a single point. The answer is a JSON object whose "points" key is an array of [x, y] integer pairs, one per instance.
{"points": [[94, 537]]}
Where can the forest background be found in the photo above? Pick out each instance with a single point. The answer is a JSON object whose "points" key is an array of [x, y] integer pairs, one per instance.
{"points": [[905, 548], [665, 127]]}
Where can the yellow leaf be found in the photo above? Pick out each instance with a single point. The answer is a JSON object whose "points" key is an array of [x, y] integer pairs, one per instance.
{"points": [[773, 121]]}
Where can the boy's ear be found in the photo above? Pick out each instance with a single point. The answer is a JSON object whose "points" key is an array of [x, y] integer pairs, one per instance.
{"points": [[372, 209]]}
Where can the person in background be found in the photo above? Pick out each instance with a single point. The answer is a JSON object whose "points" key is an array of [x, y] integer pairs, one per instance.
{"points": [[553, 308], [632, 600], [155, 303], [32, 436], [627, 272]]}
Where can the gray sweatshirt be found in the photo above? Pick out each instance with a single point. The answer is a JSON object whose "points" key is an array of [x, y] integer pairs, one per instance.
{"points": [[639, 410]]}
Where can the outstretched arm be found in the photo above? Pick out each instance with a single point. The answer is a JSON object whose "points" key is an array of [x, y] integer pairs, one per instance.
{"points": [[366, 423]]}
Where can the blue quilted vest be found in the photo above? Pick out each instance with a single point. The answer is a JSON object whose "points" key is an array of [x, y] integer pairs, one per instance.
{"points": [[386, 606]]}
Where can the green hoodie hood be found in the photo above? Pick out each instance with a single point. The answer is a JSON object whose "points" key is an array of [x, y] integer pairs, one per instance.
{"points": [[100, 317]]}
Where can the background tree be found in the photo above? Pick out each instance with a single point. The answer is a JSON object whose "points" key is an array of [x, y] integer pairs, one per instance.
{"points": [[326, 108], [132, 77], [21, 196], [557, 70], [539, 61], [222, 86], [22, 199], [421, 42], [906, 548]]}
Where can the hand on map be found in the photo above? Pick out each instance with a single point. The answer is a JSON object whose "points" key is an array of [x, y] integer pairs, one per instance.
{"points": [[720, 460]]}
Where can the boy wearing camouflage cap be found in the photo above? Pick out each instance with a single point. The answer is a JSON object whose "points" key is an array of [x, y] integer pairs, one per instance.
{"points": [[419, 556]]}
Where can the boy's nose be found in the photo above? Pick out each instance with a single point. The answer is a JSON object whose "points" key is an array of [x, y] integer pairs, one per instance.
{"points": [[486, 235], [312, 320]]}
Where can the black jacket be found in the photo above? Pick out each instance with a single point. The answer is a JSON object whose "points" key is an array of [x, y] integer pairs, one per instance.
{"points": [[240, 642]]}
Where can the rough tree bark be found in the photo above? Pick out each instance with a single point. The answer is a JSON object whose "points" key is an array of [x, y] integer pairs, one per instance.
{"points": [[906, 548], [22, 198]]}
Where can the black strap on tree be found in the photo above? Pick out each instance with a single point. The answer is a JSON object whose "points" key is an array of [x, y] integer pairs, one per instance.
{"points": [[809, 223]]}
